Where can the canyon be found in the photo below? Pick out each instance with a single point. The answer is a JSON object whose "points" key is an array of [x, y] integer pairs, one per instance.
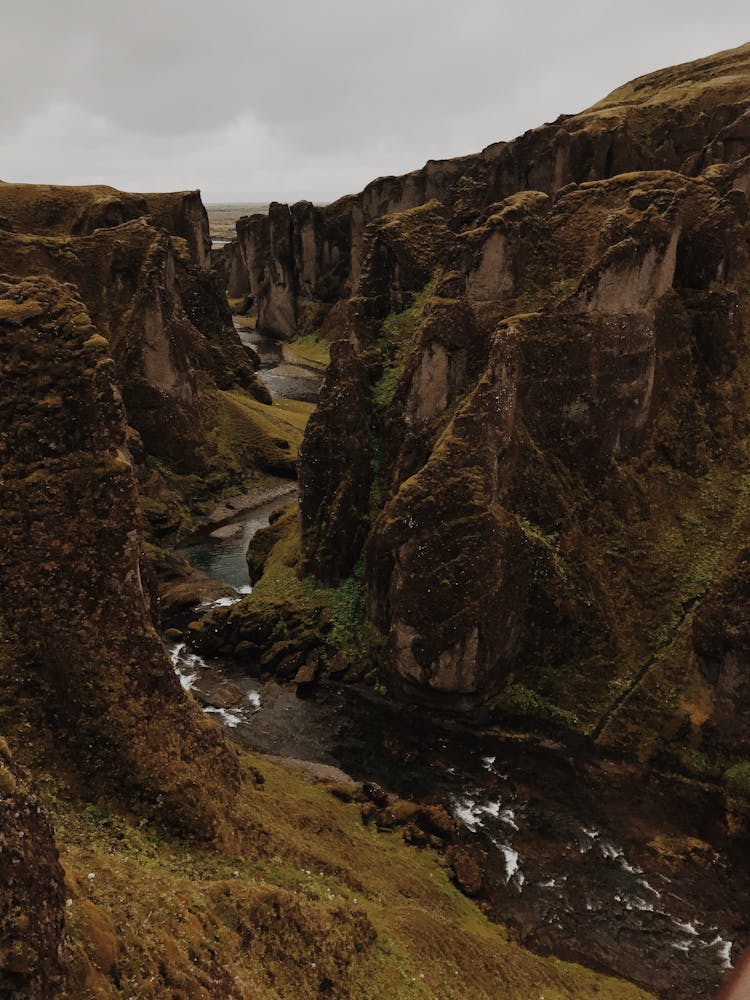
{"points": [[486, 676]]}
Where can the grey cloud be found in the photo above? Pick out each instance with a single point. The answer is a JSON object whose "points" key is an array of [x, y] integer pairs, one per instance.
{"points": [[296, 98]]}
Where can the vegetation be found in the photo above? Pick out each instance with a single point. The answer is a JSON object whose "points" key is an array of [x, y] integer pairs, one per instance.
{"points": [[347, 912]]}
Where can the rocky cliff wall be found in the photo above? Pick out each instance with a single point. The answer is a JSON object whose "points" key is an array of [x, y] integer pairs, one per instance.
{"points": [[612, 324], [88, 688], [552, 491], [301, 259], [181, 367]]}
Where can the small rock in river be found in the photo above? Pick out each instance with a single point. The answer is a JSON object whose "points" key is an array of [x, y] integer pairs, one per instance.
{"points": [[223, 696]]}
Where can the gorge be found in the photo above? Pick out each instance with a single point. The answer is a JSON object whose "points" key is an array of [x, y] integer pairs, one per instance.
{"points": [[373, 589]]}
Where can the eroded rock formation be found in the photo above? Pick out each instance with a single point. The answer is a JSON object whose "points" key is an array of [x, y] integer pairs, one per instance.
{"points": [[141, 267], [86, 681], [32, 903], [302, 259], [336, 459], [553, 335]]}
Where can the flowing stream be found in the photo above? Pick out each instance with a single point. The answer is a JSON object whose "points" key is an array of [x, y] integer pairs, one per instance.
{"points": [[284, 379], [579, 856]]}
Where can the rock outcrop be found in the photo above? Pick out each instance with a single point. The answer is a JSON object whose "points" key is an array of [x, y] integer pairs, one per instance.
{"points": [[336, 459], [721, 641], [32, 902], [556, 395], [56, 210], [87, 685]]}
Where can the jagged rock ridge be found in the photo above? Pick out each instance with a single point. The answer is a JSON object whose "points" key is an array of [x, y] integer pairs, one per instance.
{"points": [[301, 260]]}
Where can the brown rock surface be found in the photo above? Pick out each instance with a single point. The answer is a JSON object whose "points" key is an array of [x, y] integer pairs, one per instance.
{"points": [[87, 685], [549, 431], [335, 463], [32, 900]]}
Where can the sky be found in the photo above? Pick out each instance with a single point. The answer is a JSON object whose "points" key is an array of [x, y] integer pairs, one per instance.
{"points": [[290, 99]]}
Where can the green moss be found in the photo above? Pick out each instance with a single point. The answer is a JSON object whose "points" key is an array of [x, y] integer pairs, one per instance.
{"points": [[8, 783], [518, 700], [312, 350], [17, 313], [737, 779], [697, 764], [396, 339], [96, 342], [245, 436], [348, 609]]}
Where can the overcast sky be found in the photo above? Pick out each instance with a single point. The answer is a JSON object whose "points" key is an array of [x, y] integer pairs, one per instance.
{"points": [[288, 99]]}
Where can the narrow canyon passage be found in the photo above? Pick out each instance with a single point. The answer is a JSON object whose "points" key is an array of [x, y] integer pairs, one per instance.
{"points": [[576, 855]]}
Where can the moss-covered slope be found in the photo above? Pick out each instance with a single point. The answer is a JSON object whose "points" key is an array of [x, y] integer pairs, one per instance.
{"points": [[316, 904]]}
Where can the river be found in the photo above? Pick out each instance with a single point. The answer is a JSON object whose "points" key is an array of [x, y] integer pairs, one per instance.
{"points": [[284, 379], [583, 858]]}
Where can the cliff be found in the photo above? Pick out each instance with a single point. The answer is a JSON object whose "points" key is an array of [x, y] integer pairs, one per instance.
{"points": [[302, 259], [195, 406], [533, 451], [58, 210], [87, 685], [146, 856]]}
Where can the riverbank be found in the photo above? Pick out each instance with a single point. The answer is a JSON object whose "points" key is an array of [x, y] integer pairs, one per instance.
{"points": [[584, 858]]}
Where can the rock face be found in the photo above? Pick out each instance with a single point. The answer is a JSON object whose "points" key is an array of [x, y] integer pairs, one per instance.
{"points": [[336, 460], [546, 368], [136, 289], [295, 258], [721, 641], [54, 210], [183, 372], [86, 682], [32, 903], [302, 259]]}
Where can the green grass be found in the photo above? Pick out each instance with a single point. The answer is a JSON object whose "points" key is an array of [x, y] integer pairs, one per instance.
{"points": [[311, 350], [396, 339], [311, 896]]}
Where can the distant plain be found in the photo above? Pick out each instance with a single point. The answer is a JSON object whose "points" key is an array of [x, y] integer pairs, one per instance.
{"points": [[222, 216]]}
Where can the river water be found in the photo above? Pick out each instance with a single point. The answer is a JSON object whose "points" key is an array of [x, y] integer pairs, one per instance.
{"points": [[580, 857], [283, 379]]}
